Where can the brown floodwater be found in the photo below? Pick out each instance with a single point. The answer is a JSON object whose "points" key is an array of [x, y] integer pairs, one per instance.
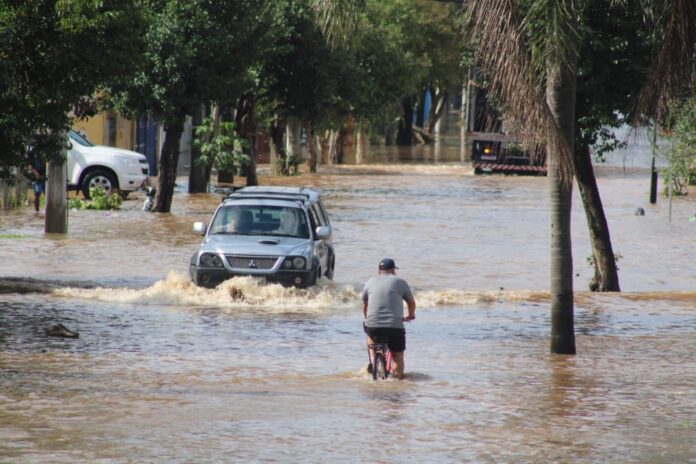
{"points": [[167, 372]]}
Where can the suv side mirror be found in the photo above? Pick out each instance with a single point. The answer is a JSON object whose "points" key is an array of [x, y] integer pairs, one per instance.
{"points": [[323, 232], [199, 227]]}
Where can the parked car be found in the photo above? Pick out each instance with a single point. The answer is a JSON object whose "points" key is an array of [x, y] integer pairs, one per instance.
{"points": [[113, 169], [280, 233]]}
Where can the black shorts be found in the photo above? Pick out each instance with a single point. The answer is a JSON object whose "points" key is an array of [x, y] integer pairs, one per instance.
{"points": [[394, 338]]}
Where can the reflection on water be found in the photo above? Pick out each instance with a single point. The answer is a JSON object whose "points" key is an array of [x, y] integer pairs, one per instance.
{"points": [[164, 371]]}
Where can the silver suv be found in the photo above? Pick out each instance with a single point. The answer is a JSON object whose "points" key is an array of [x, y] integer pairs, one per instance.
{"points": [[280, 233]]}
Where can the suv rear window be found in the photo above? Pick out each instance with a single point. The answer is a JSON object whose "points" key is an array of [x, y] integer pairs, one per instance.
{"points": [[260, 220]]}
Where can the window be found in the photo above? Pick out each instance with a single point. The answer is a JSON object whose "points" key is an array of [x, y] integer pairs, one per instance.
{"points": [[260, 220], [110, 132]]}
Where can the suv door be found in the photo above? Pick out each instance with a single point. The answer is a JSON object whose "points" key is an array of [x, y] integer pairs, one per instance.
{"points": [[321, 247]]}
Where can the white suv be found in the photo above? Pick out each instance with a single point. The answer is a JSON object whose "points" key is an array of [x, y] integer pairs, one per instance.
{"points": [[113, 169]]}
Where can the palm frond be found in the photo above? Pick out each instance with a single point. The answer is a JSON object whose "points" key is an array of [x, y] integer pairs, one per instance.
{"points": [[337, 19], [673, 69], [498, 32]]}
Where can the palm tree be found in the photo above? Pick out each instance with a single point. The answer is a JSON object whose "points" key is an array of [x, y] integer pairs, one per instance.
{"points": [[499, 31], [539, 117], [520, 53]]}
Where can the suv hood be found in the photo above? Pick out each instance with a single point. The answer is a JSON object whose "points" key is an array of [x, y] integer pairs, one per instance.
{"points": [[257, 245], [112, 151]]}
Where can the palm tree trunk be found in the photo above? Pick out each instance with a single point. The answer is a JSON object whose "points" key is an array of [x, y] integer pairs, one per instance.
{"points": [[606, 277], [560, 97]]}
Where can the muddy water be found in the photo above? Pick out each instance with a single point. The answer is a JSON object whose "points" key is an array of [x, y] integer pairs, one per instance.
{"points": [[167, 372]]}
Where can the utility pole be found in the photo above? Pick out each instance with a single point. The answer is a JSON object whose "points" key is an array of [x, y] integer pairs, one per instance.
{"points": [[57, 196]]}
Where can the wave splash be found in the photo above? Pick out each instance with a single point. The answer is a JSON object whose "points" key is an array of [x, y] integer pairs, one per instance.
{"points": [[249, 292], [238, 292]]}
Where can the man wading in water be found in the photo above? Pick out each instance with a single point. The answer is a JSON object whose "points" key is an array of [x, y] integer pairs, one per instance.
{"points": [[383, 309]]}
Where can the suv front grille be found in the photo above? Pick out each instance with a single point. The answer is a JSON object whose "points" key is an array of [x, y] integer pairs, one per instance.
{"points": [[252, 262]]}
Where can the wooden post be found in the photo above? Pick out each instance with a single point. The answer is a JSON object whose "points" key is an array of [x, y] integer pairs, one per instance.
{"points": [[56, 197], [653, 170]]}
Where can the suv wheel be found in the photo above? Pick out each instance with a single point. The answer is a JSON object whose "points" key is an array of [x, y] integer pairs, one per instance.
{"points": [[330, 270], [101, 178]]}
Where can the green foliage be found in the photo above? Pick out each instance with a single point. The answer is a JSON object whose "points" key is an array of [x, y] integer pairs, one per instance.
{"points": [[291, 166], [196, 51], [220, 147], [99, 200], [590, 260], [395, 49], [302, 76], [613, 61], [13, 236], [681, 155], [52, 64]]}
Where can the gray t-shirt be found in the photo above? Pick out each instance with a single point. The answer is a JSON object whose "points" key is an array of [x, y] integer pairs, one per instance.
{"points": [[385, 295]]}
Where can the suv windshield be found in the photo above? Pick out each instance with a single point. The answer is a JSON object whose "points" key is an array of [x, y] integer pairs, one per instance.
{"points": [[260, 220], [75, 137]]}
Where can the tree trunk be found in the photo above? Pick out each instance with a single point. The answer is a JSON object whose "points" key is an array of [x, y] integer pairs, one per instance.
{"points": [[278, 139], [324, 146], [293, 135], [439, 103], [245, 123], [311, 152], [361, 144], [560, 96], [404, 135], [198, 180], [420, 108], [606, 277], [169, 159], [252, 176]]}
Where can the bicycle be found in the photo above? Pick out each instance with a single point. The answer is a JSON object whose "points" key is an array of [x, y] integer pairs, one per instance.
{"points": [[380, 361]]}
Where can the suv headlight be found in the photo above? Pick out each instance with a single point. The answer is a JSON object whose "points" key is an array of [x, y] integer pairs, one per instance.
{"points": [[294, 262], [210, 260], [128, 161]]}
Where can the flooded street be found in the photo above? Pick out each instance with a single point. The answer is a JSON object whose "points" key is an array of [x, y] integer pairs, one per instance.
{"points": [[164, 371]]}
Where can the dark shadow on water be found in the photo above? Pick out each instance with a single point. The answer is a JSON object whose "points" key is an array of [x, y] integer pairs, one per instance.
{"points": [[25, 285], [417, 377], [29, 285]]}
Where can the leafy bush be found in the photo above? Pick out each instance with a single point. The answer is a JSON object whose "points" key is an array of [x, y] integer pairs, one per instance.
{"points": [[220, 146], [99, 200]]}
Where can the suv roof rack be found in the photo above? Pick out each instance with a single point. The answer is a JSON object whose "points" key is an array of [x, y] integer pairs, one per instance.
{"points": [[276, 193], [267, 197]]}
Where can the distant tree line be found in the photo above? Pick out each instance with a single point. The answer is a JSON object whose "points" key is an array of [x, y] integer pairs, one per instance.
{"points": [[262, 65]]}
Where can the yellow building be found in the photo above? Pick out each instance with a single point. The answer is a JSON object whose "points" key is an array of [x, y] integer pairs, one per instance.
{"points": [[108, 128]]}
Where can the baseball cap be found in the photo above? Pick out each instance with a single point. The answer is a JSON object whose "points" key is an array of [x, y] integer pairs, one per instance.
{"points": [[387, 263]]}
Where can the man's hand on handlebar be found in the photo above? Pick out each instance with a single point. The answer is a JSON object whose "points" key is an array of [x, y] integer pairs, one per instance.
{"points": [[409, 317]]}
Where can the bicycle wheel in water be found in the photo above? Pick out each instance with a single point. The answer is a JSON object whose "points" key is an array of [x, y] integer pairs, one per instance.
{"points": [[379, 369]]}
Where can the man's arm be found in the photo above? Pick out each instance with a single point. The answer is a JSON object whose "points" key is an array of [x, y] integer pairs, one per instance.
{"points": [[411, 303], [364, 309]]}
